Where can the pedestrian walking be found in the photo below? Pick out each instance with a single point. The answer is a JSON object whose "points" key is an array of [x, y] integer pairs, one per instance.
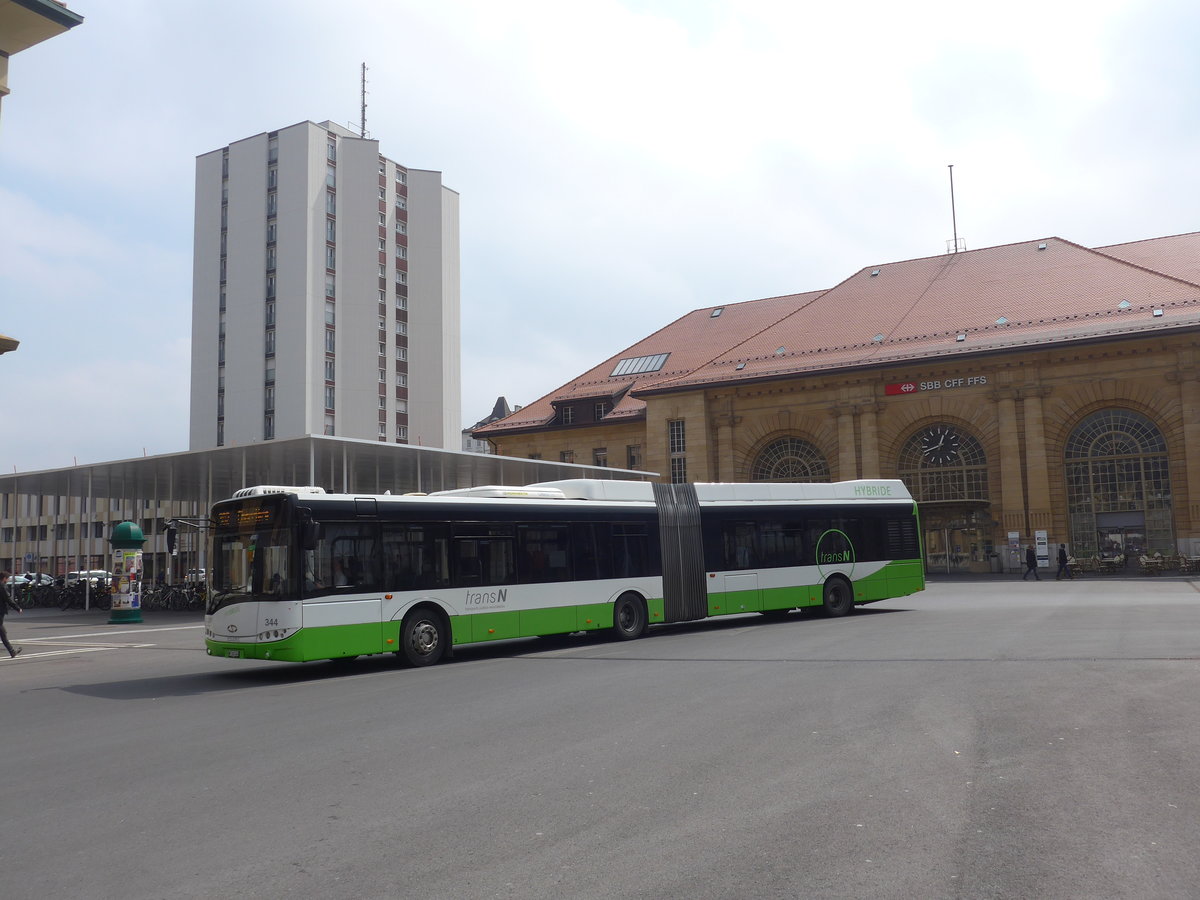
{"points": [[1030, 565], [1063, 563], [7, 603]]}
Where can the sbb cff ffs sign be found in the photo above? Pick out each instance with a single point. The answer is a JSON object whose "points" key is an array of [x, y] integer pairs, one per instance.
{"points": [[916, 387]]}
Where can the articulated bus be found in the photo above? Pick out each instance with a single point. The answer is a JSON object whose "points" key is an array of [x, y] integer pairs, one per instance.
{"points": [[299, 574]]}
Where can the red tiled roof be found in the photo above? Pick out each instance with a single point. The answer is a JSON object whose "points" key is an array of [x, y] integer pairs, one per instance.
{"points": [[691, 341], [1177, 255], [1016, 295], [919, 308]]}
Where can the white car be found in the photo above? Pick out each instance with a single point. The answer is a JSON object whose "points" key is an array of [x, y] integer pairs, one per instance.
{"points": [[27, 578], [96, 576]]}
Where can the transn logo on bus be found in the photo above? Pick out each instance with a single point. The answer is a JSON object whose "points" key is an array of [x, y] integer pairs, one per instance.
{"points": [[487, 598], [834, 548]]}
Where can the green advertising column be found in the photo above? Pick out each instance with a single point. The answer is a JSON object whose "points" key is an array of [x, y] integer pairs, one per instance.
{"points": [[127, 540]]}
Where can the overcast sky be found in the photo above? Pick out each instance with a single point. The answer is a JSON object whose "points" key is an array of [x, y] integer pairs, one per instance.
{"points": [[620, 163]]}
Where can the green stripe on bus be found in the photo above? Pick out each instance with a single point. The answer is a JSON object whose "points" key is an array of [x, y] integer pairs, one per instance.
{"points": [[896, 579]]}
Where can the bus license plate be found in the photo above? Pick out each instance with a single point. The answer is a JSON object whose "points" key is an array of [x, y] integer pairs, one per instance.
{"points": [[233, 654]]}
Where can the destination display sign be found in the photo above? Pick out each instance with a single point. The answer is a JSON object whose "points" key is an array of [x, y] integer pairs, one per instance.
{"points": [[244, 517], [944, 384]]}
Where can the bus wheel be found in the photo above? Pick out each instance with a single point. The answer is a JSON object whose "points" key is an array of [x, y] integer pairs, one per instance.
{"points": [[423, 637], [839, 599], [629, 617]]}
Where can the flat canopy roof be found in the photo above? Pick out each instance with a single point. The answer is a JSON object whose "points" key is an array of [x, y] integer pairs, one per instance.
{"points": [[338, 464]]}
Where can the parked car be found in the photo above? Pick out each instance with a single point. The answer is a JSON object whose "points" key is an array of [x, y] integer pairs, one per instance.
{"points": [[25, 579], [97, 577], [195, 575]]}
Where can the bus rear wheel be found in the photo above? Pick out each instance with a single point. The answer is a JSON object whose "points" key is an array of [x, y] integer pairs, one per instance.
{"points": [[629, 617], [423, 637], [838, 598]]}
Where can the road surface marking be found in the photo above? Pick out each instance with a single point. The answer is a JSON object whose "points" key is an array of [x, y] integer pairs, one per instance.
{"points": [[43, 642], [60, 653], [107, 633]]}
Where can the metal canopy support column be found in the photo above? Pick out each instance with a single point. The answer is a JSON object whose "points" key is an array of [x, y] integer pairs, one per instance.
{"points": [[202, 554], [174, 511], [91, 513], [156, 504]]}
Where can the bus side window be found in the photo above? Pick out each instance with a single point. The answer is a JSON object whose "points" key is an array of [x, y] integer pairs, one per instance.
{"points": [[631, 550], [739, 546], [483, 561], [468, 570], [855, 533], [543, 553], [348, 558], [590, 550], [814, 528], [415, 557], [783, 543]]}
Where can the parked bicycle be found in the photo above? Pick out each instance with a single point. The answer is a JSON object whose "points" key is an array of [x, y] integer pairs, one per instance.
{"points": [[74, 596], [186, 597]]}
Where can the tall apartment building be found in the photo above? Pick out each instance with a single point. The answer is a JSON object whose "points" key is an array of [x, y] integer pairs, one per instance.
{"points": [[325, 294]]}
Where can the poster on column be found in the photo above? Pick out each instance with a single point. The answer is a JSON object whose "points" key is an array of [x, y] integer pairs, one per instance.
{"points": [[127, 567], [1043, 549]]}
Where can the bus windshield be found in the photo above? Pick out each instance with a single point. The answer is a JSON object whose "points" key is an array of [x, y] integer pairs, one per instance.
{"points": [[253, 553]]}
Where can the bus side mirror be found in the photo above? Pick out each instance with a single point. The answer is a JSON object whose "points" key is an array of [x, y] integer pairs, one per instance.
{"points": [[310, 534]]}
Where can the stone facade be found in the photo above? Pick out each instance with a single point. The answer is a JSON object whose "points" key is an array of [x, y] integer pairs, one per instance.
{"points": [[1093, 439]]}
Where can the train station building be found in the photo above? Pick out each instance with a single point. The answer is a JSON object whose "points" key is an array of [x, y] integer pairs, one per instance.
{"points": [[1037, 391]]}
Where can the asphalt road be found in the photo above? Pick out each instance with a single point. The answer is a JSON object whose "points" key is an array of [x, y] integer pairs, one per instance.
{"points": [[994, 739]]}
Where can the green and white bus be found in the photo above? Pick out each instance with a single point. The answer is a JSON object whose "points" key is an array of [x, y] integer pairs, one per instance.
{"points": [[299, 574]]}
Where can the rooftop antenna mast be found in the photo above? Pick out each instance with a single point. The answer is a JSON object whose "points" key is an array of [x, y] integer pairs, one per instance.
{"points": [[957, 245], [362, 130]]}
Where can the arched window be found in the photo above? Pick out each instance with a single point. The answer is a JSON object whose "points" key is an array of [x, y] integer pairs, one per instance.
{"points": [[1118, 485], [940, 463], [790, 459]]}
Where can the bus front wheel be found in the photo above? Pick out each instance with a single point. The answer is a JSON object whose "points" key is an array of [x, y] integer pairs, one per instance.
{"points": [[423, 637], [838, 599], [629, 617]]}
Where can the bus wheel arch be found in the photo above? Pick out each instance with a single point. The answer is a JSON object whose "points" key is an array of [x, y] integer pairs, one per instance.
{"points": [[837, 598], [630, 616], [424, 636]]}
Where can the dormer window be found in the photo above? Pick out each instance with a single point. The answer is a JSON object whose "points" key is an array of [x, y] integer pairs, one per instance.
{"points": [[568, 415]]}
